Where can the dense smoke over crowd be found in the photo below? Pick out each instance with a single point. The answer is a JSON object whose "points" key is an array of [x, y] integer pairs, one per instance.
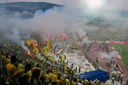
{"points": [[68, 19]]}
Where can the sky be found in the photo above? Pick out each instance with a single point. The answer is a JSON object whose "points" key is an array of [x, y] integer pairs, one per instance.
{"points": [[116, 4], [53, 1]]}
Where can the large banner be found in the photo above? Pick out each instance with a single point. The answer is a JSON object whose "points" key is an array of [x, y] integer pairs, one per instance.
{"points": [[118, 42], [93, 75]]}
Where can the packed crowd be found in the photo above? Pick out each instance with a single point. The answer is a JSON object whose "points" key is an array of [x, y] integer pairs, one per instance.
{"points": [[32, 70]]}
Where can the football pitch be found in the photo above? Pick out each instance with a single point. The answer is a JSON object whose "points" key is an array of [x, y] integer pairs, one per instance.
{"points": [[123, 50]]}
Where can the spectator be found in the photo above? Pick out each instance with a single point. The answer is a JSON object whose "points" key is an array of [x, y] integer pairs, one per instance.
{"points": [[11, 69]]}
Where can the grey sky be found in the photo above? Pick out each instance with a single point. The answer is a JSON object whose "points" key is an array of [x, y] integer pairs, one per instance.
{"points": [[53, 1], [116, 4]]}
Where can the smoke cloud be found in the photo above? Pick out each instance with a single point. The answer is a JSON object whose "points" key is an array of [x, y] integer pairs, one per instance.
{"points": [[110, 55], [72, 18]]}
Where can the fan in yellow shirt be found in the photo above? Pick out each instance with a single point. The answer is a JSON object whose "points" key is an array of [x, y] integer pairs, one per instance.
{"points": [[67, 81], [11, 69], [54, 77], [74, 83], [47, 80], [5, 59], [102, 84]]}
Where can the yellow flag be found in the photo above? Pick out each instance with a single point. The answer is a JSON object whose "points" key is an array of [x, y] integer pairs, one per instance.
{"points": [[62, 56], [29, 42], [35, 49]]}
